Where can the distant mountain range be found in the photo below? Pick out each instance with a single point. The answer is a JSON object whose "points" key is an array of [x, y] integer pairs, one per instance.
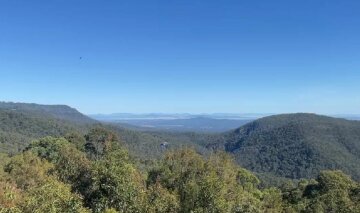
{"points": [[180, 122], [199, 124], [187, 122], [172, 116]]}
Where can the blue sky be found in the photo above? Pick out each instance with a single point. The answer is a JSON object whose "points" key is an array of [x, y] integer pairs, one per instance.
{"points": [[182, 56]]}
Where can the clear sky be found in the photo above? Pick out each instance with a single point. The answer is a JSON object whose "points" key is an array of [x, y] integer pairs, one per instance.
{"points": [[265, 56]]}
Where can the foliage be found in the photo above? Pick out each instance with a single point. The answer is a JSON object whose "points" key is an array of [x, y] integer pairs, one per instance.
{"points": [[295, 146], [215, 184], [70, 164], [61, 112], [52, 196], [332, 191], [31, 188], [52, 175], [99, 141], [93, 171], [19, 127], [77, 139], [117, 184], [10, 198], [161, 200], [27, 170]]}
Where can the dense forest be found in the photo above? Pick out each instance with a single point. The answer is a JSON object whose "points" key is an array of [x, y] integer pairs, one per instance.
{"points": [[276, 148], [54, 159], [296, 145], [22, 123], [62, 112], [95, 173]]}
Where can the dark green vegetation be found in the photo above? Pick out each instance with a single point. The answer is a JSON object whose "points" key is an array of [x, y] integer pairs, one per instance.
{"points": [[62, 112], [289, 146], [85, 166], [60, 175], [22, 123], [18, 127], [296, 145]]}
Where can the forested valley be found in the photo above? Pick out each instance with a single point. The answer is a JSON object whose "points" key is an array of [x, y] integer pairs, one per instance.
{"points": [[95, 173], [54, 159]]}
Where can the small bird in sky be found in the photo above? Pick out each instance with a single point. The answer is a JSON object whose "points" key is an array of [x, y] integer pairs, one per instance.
{"points": [[80, 58]]}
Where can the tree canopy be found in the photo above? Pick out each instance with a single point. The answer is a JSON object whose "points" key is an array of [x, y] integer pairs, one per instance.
{"points": [[55, 174]]}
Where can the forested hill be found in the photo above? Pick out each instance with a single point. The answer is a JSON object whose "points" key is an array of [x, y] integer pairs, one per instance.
{"points": [[22, 123], [62, 112], [296, 145], [292, 145], [92, 172]]}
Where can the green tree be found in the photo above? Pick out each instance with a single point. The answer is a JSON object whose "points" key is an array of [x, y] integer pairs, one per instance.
{"points": [[117, 184], [72, 166], [272, 201], [77, 139], [160, 200], [27, 170], [38, 189], [332, 193], [210, 185], [10, 197], [53, 197], [99, 141]]}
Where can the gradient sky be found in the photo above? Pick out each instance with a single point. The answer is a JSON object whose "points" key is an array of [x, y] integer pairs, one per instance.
{"points": [[253, 56]]}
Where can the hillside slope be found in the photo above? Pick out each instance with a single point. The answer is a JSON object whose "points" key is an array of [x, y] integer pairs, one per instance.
{"points": [[290, 146], [19, 127], [62, 112], [20, 123], [295, 145]]}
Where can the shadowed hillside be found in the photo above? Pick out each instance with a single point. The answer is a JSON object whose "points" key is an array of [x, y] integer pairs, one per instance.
{"points": [[296, 145], [289, 146], [62, 112], [22, 123]]}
